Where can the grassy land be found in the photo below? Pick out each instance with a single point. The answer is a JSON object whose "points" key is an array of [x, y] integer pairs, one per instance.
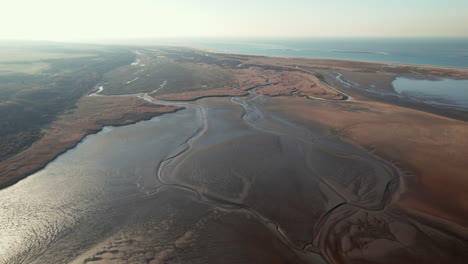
{"points": [[26, 55], [23, 68], [37, 83]]}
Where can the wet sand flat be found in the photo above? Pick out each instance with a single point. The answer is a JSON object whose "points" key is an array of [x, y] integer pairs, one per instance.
{"points": [[303, 166], [403, 136], [90, 116], [235, 185], [429, 211]]}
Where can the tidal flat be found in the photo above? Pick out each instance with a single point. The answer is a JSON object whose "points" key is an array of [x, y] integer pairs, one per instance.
{"points": [[227, 173], [266, 160]]}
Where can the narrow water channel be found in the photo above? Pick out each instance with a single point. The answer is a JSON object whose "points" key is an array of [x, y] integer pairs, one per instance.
{"points": [[221, 180]]}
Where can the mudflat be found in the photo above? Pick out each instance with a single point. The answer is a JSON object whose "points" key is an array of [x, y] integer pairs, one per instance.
{"points": [[272, 160], [90, 116], [430, 153]]}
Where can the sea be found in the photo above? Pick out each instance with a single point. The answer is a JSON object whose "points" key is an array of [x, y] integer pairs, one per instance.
{"points": [[446, 52], [449, 52]]}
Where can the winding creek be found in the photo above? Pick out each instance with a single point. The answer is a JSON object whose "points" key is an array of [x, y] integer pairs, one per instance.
{"points": [[221, 179]]}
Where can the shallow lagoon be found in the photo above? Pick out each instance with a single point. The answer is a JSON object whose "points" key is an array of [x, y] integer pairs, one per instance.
{"points": [[448, 92]]}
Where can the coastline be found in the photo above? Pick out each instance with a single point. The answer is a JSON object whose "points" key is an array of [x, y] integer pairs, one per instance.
{"points": [[412, 208], [388, 63], [263, 87]]}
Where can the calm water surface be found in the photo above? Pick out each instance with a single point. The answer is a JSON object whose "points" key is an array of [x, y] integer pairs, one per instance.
{"points": [[451, 52], [448, 92], [88, 191], [226, 167]]}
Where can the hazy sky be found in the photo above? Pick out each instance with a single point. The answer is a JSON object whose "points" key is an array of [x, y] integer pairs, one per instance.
{"points": [[104, 19]]}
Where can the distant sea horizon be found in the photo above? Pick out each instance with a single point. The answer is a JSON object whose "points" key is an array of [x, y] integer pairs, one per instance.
{"points": [[447, 52]]}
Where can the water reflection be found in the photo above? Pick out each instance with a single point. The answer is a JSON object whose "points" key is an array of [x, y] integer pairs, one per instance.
{"points": [[105, 171], [447, 92]]}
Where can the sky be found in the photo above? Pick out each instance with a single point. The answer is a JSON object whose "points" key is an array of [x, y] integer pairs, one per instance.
{"points": [[74, 20]]}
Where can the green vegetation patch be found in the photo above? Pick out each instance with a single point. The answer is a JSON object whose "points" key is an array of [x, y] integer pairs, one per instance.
{"points": [[26, 55], [24, 68]]}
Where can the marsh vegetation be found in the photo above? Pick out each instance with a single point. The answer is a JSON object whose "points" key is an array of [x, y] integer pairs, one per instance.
{"points": [[38, 83]]}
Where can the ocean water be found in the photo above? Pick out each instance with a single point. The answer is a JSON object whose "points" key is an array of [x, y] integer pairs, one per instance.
{"points": [[452, 52]]}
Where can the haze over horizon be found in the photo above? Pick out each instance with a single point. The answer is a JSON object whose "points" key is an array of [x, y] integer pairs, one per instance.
{"points": [[86, 20]]}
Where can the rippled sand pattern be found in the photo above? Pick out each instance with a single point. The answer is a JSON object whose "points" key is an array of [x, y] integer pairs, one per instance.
{"points": [[222, 181]]}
